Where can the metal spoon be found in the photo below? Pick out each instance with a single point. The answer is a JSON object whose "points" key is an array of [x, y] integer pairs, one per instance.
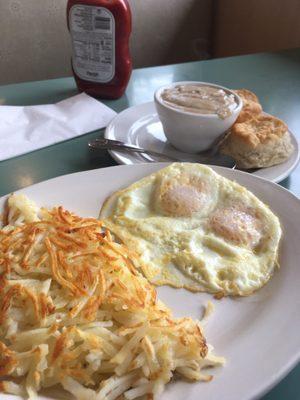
{"points": [[207, 157]]}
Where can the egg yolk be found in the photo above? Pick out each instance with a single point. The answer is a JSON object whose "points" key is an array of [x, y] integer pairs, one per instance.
{"points": [[236, 225], [183, 197]]}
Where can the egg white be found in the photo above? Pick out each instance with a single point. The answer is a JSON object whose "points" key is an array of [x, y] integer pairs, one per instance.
{"points": [[195, 229]]}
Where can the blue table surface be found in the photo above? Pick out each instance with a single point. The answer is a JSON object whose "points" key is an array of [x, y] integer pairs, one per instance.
{"points": [[274, 77]]}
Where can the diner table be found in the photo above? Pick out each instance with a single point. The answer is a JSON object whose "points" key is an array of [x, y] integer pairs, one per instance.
{"points": [[274, 77]]}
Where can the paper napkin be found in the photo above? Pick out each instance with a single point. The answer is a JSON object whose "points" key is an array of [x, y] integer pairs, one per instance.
{"points": [[28, 128]]}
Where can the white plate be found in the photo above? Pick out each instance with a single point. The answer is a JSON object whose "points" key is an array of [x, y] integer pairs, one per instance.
{"points": [[258, 335], [140, 125]]}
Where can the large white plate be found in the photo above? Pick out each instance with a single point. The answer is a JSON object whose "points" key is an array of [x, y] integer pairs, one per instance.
{"points": [[140, 125], [258, 335]]}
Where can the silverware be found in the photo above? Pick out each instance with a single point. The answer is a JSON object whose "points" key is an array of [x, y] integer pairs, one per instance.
{"points": [[209, 156], [108, 144]]}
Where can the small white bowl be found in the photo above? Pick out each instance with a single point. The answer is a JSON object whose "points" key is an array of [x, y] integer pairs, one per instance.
{"points": [[193, 132]]}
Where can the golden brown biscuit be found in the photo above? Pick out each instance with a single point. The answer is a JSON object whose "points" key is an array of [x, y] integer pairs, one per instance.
{"points": [[259, 129], [251, 105], [249, 111], [261, 141], [246, 94]]}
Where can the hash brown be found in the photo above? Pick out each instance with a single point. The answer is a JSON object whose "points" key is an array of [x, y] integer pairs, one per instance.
{"points": [[75, 311]]}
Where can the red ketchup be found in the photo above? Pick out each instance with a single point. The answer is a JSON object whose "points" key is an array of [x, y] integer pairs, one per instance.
{"points": [[101, 60]]}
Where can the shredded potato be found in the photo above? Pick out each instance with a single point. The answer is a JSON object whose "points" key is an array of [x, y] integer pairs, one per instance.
{"points": [[75, 311]]}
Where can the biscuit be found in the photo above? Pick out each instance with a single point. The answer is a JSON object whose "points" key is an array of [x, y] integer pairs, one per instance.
{"points": [[251, 105], [250, 110], [261, 141], [259, 129], [246, 94]]}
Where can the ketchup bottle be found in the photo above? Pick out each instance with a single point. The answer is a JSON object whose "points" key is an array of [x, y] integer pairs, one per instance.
{"points": [[101, 60]]}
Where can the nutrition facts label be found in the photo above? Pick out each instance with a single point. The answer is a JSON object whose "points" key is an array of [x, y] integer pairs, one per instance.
{"points": [[93, 42]]}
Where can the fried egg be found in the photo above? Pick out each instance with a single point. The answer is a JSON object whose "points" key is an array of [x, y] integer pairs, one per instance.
{"points": [[195, 229]]}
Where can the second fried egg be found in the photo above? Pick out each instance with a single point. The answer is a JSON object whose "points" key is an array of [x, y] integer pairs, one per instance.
{"points": [[194, 228]]}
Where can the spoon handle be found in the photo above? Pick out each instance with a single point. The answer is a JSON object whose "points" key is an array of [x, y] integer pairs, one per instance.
{"points": [[172, 155], [108, 144]]}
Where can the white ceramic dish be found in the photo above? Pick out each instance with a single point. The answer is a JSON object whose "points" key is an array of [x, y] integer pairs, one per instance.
{"points": [[193, 132], [258, 335], [141, 126]]}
